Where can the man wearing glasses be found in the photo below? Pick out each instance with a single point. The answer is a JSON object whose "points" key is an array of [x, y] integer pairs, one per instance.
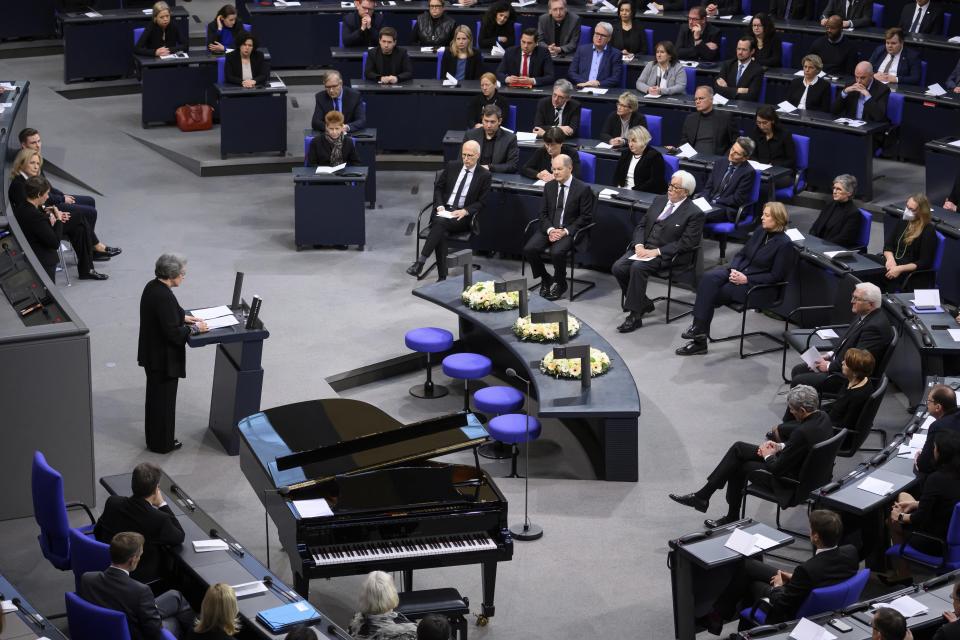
{"points": [[458, 195], [336, 97], [941, 405], [597, 64], [433, 27], [731, 182], [361, 28]]}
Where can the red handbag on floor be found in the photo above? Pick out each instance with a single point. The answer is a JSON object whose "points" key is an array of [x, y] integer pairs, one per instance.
{"points": [[195, 117]]}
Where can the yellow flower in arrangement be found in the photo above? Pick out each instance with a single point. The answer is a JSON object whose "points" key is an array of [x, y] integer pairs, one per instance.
{"points": [[570, 368], [480, 296], [543, 331]]}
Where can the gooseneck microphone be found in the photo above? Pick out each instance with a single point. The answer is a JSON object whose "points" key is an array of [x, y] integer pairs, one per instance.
{"points": [[527, 531]]}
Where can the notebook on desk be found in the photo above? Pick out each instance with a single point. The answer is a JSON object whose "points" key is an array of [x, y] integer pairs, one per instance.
{"points": [[279, 619]]}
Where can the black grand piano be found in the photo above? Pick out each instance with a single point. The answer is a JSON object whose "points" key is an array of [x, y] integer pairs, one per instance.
{"points": [[353, 490]]}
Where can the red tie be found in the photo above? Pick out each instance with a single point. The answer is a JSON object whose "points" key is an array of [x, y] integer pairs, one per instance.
{"points": [[523, 67]]}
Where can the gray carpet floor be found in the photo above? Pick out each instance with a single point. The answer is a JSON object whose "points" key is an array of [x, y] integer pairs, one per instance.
{"points": [[599, 571]]}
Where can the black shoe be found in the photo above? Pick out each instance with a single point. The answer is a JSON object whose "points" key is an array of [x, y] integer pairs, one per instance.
{"points": [[545, 284], [415, 269], [712, 623], [692, 348], [893, 580], [692, 333], [93, 275], [719, 522], [441, 278], [648, 306], [691, 500], [557, 291], [112, 251], [633, 322], [177, 445], [100, 256]]}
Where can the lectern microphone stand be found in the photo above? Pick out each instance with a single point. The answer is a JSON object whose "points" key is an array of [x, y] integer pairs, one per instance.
{"points": [[526, 531]]}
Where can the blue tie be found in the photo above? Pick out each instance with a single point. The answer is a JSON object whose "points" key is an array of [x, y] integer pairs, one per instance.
{"points": [[336, 105], [860, 102], [739, 72]]}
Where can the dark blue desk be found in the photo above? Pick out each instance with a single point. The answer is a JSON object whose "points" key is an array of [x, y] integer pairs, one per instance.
{"points": [[926, 118], [296, 36], [26, 623], [366, 142], [252, 120], [28, 19], [102, 46], [328, 208], [943, 166], [166, 85]]}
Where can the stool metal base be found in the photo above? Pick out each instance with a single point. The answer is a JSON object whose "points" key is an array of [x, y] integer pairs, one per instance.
{"points": [[428, 391], [495, 450], [526, 532]]}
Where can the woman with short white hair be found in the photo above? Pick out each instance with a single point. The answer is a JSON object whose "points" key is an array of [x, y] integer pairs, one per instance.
{"points": [[640, 166], [377, 619]]}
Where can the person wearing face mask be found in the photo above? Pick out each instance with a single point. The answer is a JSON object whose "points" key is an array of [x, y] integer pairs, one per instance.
{"points": [[334, 147], [911, 246]]}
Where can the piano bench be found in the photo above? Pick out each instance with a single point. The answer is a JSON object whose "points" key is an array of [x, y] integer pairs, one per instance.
{"points": [[446, 602]]}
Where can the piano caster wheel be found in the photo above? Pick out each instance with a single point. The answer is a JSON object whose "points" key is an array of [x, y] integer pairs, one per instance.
{"points": [[482, 620]]}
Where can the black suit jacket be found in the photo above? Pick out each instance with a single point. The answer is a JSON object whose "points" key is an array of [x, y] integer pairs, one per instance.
{"points": [[688, 50], [396, 64], [539, 67], [861, 12], [839, 223], [577, 210], [736, 192], [157, 526], [354, 111], [153, 38], [233, 69], [114, 589], [752, 80], [354, 37], [823, 569], [478, 102], [506, 154], [163, 334], [17, 191], [611, 126], [932, 22], [43, 238], [804, 435], [874, 109], [321, 147], [873, 334], [569, 117], [799, 9], [941, 492], [541, 160], [447, 180], [679, 233], [771, 55], [764, 262], [448, 64], [948, 422], [839, 58], [818, 94], [949, 631], [724, 133], [649, 175]]}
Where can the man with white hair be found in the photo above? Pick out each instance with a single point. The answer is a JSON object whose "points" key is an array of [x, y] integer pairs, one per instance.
{"points": [[870, 331], [597, 64], [558, 110], [672, 226]]}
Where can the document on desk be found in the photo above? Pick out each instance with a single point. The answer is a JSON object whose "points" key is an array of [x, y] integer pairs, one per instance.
{"points": [[687, 151], [607, 193], [794, 234], [702, 204], [954, 40], [748, 544], [786, 107], [539, 183], [826, 334], [249, 588], [94, 14], [926, 298], [523, 3], [810, 357], [221, 322], [497, 50], [8, 607], [450, 81], [807, 629], [929, 420], [873, 485], [838, 254], [526, 136], [323, 170], [604, 145], [215, 544], [907, 606], [955, 334], [209, 313], [719, 99], [936, 90], [317, 508], [651, 96], [597, 91], [694, 64]]}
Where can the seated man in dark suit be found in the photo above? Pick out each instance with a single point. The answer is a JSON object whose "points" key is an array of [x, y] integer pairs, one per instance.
{"points": [[388, 63], [559, 110], [834, 49], [864, 99], [707, 130], [361, 28], [526, 64], [558, 30], [922, 17], [114, 588], [698, 40], [146, 513], [567, 207], [597, 64], [780, 459], [458, 195], [870, 331], [730, 183], [893, 62], [853, 13], [336, 97], [792, 9], [498, 147], [942, 405], [672, 225], [741, 78]]}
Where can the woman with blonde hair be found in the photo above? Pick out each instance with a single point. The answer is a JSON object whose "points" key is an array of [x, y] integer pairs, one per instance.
{"points": [[912, 246], [161, 37], [377, 619], [460, 59], [218, 614]]}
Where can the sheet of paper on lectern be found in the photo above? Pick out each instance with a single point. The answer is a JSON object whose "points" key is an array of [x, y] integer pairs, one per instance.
{"points": [[222, 321], [211, 312], [807, 629], [323, 170], [876, 486]]}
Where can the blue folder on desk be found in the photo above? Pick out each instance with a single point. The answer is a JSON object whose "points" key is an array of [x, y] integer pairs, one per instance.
{"points": [[281, 618]]}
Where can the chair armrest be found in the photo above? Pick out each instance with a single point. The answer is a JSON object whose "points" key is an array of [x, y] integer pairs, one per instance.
{"points": [[917, 272], [916, 534], [475, 223], [526, 229], [770, 285], [581, 231], [167, 635], [80, 505]]}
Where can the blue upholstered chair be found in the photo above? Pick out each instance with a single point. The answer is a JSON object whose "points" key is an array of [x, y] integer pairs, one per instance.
{"points": [[830, 598], [947, 17], [90, 622], [691, 80], [585, 34], [588, 167], [655, 127], [440, 53], [136, 35], [50, 512], [221, 62], [923, 73], [467, 367], [763, 89], [650, 42], [671, 165], [864, 239], [801, 145], [878, 14], [586, 123], [495, 401], [340, 34], [428, 340], [511, 122], [895, 115], [950, 546], [786, 54], [86, 554], [512, 428]]}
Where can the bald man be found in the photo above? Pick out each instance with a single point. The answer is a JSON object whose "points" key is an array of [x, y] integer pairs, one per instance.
{"points": [[834, 48], [865, 99]]}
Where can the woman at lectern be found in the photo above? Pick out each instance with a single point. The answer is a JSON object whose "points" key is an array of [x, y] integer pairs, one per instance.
{"points": [[334, 147], [246, 65], [160, 37], [377, 619], [161, 351]]}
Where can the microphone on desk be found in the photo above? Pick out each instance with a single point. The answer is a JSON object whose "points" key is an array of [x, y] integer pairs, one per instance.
{"points": [[190, 504], [35, 616], [236, 548], [528, 530]]}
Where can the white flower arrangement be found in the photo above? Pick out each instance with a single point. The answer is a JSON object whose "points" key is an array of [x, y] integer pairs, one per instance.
{"points": [[543, 331], [570, 367], [480, 296]]}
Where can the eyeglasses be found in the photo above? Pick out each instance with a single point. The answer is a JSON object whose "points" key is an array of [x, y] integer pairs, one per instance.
{"points": [[857, 299], [701, 98], [674, 187], [469, 155]]}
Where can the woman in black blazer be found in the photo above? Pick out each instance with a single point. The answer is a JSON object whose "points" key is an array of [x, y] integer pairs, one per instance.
{"points": [[496, 26], [224, 30], [810, 92], [332, 147], [161, 37], [488, 95], [769, 50], [840, 221], [626, 117], [460, 60], [640, 166], [538, 167], [774, 144], [245, 65], [628, 36], [43, 229]]}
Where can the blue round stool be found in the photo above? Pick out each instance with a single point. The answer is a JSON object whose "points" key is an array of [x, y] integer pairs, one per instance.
{"points": [[497, 400], [467, 367], [428, 340], [511, 428]]}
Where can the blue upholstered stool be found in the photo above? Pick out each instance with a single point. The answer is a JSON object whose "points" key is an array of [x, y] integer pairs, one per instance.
{"points": [[512, 429], [428, 340], [496, 401], [467, 367]]}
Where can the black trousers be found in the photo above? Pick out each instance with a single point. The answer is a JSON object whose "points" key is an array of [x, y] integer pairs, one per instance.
{"points": [[436, 241], [822, 382], [176, 616], [737, 463], [633, 276], [77, 231], [714, 290], [160, 411], [750, 583], [51, 270], [558, 256]]}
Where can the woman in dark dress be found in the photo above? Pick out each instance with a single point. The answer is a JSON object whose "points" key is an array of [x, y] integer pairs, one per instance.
{"points": [[774, 144], [810, 92], [627, 36], [626, 117], [488, 95], [769, 50], [538, 166], [334, 147], [43, 229], [160, 37], [245, 65], [640, 166], [460, 60], [218, 614], [912, 246], [224, 30], [840, 221], [496, 26]]}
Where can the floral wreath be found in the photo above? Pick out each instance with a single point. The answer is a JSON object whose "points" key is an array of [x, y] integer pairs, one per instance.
{"points": [[543, 331], [570, 367], [480, 296]]}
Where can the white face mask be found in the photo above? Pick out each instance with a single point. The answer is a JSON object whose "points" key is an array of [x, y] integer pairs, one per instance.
{"points": [[909, 214]]}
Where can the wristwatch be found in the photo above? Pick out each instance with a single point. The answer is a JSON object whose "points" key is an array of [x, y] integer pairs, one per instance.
{"points": [[900, 517]]}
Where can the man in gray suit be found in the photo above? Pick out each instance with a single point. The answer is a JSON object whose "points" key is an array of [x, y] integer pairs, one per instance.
{"points": [[559, 30], [498, 147], [672, 225]]}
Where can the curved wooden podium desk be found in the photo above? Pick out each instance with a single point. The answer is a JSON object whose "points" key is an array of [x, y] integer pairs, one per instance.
{"points": [[603, 417]]}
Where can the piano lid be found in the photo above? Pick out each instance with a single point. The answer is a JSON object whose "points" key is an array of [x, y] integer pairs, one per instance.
{"points": [[313, 441]]}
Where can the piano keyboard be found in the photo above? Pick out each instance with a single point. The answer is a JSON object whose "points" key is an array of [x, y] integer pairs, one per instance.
{"points": [[398, 549]]}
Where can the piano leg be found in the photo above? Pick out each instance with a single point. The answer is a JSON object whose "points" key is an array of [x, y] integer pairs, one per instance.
{"points": [[488, 574], [407, 580], [301, 585]]}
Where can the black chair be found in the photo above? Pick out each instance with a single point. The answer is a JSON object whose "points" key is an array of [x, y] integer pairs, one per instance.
{"points": [[926, 278], [455, 241], [816, 471], [581, 236], [863, 427], [838, 315], [675, 268]]}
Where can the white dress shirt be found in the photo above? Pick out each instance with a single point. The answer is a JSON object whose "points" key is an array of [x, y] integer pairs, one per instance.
{"points": [[451, 205], [806, 89]]}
